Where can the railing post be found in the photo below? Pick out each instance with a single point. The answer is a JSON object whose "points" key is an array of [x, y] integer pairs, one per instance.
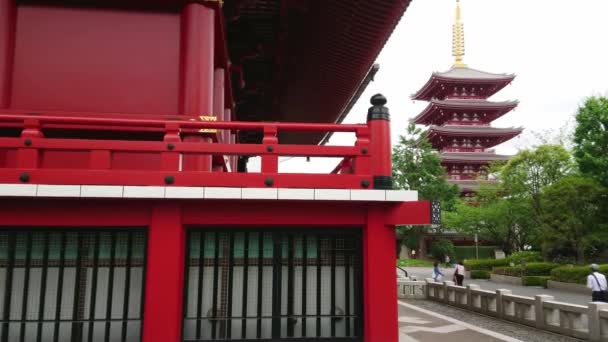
{"points": [[28, 156], [378, 121], [470, 302], [446, 295], [595, 323], [427, 288], [362, 164], [170, 160], [270, 159], [500, 310], [539, 311]]}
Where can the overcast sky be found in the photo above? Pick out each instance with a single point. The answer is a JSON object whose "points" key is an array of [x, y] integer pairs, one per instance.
{"points": [[557, 48]]}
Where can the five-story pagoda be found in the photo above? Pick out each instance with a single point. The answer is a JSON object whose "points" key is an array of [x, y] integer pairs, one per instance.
{"points": [[459, 116]]}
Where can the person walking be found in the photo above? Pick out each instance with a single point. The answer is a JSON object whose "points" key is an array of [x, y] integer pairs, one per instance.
{"points": [[437, 275], [598, 285], [459, 273]]}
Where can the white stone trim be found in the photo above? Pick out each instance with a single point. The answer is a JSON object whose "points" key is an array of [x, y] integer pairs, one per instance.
{"points": [[144, 192], [101, 191], [332, 194], [223, 193], [18, 190], [195, 192], [174, 192], [401, 195], [296, 194], [58, 190], [368, 195], [259, 193]]}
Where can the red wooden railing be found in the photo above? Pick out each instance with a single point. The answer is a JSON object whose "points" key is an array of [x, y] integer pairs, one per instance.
{"points": [[31, 157]]}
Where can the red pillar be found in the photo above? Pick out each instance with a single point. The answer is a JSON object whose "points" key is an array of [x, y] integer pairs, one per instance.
{"points": [[164, 275], [378, 121], [380, 286], [7, 50], [197, 62]]}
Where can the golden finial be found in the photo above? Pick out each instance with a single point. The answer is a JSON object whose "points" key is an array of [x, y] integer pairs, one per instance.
{"points": [[458, 39]]}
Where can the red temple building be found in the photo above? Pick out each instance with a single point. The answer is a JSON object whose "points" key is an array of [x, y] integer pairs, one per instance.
{"points": [[459, 116], [127, 212]]}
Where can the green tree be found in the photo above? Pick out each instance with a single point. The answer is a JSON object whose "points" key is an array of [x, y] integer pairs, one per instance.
{"points": [[416, 166], [591, 139], [506, 221], [571, 217], [526, 174]]}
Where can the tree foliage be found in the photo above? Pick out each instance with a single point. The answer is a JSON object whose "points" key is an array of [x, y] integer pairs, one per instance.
{"points": [[416, 166], [591, 139], [508, 210], [571, 217], [505, 221], [526, 174]]}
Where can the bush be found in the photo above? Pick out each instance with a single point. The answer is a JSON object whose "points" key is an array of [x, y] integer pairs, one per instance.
{"points": [[539, 268], [574, 274], [531, 269], [529, 256], [477, 274], [535, 280], [441, 248], [484, 264], [468, 252]]}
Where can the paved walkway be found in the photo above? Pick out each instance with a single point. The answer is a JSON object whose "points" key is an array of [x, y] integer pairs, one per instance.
{"points": [[418, 324], [422, 273], [427, 321]]}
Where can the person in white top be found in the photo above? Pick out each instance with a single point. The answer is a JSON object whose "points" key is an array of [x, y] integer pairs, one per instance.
{"points": [[459, 273], [597, 283]]}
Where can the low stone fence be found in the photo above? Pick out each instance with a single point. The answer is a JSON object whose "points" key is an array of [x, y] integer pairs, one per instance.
{"points": [[585, 322]]}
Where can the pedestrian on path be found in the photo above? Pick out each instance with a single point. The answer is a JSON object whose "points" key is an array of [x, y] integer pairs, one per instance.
{"points": [[437, 275], [598, 285], [459, 273]]}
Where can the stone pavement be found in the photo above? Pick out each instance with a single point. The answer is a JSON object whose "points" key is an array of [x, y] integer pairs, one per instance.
{"points": [[422, 273], [417, 324], [426, 321]]}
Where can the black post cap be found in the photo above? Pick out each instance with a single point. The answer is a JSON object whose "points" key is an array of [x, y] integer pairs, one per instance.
{"points": [[378, 100], [378, 111]]}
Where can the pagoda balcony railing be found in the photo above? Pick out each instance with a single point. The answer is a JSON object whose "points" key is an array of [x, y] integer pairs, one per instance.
{"points": [[464, 149], [29, 155], [466, 123]]}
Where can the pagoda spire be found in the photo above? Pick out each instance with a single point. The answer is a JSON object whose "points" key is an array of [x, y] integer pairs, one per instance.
{"points": [[458, 39]]}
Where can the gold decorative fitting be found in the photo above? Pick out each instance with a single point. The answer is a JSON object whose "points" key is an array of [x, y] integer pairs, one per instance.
{"points": [[458, 39], [208, 118]]}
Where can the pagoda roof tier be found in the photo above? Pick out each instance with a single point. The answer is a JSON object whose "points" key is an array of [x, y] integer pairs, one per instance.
{"points": [[434, 114], [442, 136], [441, 84], [471, 157]]}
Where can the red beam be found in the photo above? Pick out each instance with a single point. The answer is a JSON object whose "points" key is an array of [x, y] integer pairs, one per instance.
{"points": [[118, 123], [415, 213], [183, 178]]}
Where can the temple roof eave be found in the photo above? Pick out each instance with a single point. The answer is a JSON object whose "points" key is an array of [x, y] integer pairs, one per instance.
{"points": [[503, 107], [462, 75], [473, 130], [458, 157]]}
